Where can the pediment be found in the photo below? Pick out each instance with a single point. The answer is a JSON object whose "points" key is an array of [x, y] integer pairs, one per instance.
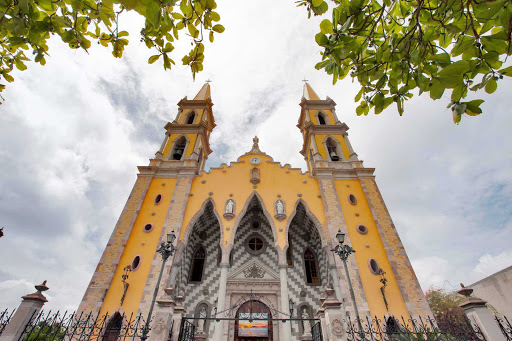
{"points": [[254, 270]]}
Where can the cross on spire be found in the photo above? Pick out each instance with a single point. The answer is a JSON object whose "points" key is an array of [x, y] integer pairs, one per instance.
{"points": [[305, 80], [208, 81]]}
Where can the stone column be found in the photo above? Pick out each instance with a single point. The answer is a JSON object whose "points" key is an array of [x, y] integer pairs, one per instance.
{"points": [[334, 329], [159, 154], [177, 317], [353, 155], [163, 320], [28, 310], [477, 312], [219, 326], [287, 327]]}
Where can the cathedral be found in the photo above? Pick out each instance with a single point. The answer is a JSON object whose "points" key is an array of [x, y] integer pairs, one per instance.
{"points": [[253, 255]]}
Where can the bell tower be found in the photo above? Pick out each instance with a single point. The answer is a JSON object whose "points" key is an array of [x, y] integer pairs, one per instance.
{"points": [[325, 138], [186, 144]]}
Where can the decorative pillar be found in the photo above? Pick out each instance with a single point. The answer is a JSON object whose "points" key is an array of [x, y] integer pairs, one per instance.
{"points": [[177, 317], [331, 317], [353, 155], [219, 327], [477, 312], [287, 327], [28, 309], [164, 318], [159, 154]]}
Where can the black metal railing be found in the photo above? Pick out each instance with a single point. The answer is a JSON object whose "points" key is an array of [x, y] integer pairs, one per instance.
{"points": [[424, 329], [316, 332], [5, 318], [187, 331], [80, 327], [505, 326]]}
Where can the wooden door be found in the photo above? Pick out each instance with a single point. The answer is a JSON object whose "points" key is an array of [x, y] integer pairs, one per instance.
{"points": [[254, 307]]}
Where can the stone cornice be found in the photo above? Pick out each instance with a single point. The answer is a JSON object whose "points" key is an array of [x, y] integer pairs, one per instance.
{"points": [[310, 129], [343, 174], [199, 104], [200, 128]]}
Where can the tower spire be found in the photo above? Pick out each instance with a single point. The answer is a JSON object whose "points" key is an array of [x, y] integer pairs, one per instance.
{"points": [[204, 93], [309, 93]]}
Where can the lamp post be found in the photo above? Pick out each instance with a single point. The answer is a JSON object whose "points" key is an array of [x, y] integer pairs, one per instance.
{"points": [[166, 250], [343, 251], [290, 306]]}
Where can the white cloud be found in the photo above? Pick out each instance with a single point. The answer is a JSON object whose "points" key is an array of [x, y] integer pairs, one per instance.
{"points": [[489, 264], [72, 133]]}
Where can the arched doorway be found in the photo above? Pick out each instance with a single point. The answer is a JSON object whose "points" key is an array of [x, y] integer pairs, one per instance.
{"points": [[113, 328], [251, 331]]}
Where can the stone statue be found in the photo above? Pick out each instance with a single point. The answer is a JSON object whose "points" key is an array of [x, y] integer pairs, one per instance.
{"points": [[202, 320], [279, 207], [230, 205], [306, 324]]}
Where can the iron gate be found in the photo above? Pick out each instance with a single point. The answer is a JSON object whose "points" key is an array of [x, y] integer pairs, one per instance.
{"points": [[187, 331], [316, 332]]}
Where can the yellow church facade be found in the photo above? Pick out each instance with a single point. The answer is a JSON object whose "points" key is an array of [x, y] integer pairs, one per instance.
{"points": [[255, 231]]}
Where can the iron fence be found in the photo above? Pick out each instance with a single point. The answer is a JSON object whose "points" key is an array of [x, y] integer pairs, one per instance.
{"points": [[187, 331], [428, 329], [5, 318], [505, 326], [316, 332], [80, 327]]}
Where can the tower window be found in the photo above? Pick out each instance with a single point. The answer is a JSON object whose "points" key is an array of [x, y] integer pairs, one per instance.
{"points": [[321, 119], [362, 229], [331, 149], [191, 117], [135, 263], [179, 148], [374, 266], [196, 273], [148, 227], [289, 256], [311, 264], [352, 199]]}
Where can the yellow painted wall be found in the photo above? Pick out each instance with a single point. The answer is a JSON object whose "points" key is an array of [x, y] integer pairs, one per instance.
{"points": [[197, 119], [321, 149], [313, 114], [143, 244], [371, 282], [236, 180]]}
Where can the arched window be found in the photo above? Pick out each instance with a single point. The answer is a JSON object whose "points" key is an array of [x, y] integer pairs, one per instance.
{"points": [[196, 272], [113, 328], [311, 265], [321, 118], [289, 256], [179, 148], [331, 149], [191, 117]]}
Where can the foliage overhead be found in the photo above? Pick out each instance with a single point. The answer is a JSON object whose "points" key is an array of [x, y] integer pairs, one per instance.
{"points": [[396, 47], [26, 26]]}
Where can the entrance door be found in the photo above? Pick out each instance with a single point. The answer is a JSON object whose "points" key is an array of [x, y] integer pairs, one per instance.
{"points": [[253, 331]]}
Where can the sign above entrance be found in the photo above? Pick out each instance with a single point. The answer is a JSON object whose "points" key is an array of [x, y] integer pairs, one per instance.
{"points": [[253, 325]]}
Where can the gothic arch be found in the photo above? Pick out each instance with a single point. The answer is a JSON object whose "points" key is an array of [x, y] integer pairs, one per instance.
{"points": [[311, 216], [184, 240], [191, 115], [170, 157], [322, 116], [241, 215], [339, 151]]}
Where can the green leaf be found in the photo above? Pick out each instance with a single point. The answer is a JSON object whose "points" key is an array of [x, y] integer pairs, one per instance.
{"points": [[8, 77], [153, 13], [491, 85], [316, 3], [154, 58], [506, 71], [122, 34], [321, 39], [326, 27], [473, 107], [218, 28], [436, 90]]}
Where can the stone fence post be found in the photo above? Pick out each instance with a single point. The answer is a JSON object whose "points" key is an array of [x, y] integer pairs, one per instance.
{"points": [[29, 308], [477, 312]]}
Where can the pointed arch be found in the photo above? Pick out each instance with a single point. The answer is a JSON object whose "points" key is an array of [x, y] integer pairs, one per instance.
{"points": [[311, 267], [190, 118], [242, 214], [311, 216], [196, 270], [186, 234], [179, 146], [114, 325], [332, 145], [322, 118]]}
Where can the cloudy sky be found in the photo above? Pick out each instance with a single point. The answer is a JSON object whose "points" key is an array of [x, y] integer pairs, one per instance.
{"points": [[72, 133]]}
